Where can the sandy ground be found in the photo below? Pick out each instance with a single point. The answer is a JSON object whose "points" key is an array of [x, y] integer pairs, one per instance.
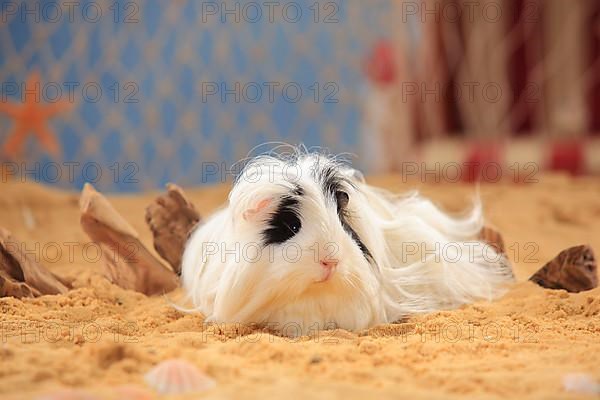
{"points": [[99, 336]]}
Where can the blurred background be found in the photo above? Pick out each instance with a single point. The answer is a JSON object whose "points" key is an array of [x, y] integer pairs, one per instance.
{"points": [[130, 95]]}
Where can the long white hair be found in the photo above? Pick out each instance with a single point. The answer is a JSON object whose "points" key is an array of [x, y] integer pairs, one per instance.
{"points": [[394, 255]]}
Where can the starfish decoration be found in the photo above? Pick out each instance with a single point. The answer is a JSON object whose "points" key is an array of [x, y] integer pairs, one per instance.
{"points": [[32, 117]]}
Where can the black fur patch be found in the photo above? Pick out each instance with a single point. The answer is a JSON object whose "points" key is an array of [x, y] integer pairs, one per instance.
{"points": [[331, 180], [335, 186], [354, 236], [285, 222]]}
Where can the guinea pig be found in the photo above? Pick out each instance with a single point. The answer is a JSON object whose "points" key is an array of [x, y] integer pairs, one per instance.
{"points": [[304, 244]]}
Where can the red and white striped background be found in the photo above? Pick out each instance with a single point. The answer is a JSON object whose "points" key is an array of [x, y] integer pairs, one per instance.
{"points": [[542, 56]]}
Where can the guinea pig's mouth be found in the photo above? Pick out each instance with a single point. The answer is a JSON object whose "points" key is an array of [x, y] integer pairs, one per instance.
{"points": [[325, 278]]}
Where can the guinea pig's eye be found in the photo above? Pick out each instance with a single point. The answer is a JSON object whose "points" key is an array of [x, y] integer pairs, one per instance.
{"points": [[342, 199], [284, 225]]}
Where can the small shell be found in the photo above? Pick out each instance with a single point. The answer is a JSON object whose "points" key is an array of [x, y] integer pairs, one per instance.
{"points": [[581, 383], [177, 376], [68, 394]]}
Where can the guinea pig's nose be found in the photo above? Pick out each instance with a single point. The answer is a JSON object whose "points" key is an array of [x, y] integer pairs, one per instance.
{"points": [[329, 263]]}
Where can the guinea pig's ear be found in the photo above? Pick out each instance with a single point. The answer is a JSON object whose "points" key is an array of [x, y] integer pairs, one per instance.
{"points": [[259, 209], [354, 175], [357, 175]]}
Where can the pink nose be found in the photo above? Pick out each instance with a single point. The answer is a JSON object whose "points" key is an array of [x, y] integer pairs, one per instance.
{"points": [[328, 268], [329, 263]]}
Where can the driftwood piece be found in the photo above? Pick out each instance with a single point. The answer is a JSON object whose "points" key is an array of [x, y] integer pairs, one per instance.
{"points": [[128, 262], [9, 287], [573, 270], [493, 237], [21, 276], [171, 218]]}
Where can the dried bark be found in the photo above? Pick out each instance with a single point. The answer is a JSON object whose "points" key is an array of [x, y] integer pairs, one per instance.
{"points": [[493, 237], [574, 270], [171, 218], [21, 276], [128, 263]]}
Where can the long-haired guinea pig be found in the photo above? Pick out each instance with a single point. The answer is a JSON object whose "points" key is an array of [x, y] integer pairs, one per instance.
{"points": [[305, 244]]}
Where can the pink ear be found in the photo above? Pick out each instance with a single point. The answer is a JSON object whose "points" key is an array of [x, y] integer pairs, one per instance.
{"points": [[250, 213]]}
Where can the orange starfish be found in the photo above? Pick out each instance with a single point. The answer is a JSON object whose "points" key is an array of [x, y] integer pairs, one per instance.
{"points": [[32, 117]]}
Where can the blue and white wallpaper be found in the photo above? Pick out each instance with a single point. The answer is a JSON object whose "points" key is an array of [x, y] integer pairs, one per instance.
{"points": [[133, 94]]}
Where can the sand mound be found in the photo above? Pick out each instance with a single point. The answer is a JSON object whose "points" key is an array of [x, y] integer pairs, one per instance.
{"points": [[99, 336]]}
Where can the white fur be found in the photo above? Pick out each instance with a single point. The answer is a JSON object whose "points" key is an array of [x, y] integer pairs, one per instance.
{"points": [[230, 277]]}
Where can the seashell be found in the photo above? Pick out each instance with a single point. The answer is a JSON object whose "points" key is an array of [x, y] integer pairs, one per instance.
{"points": [[581, 383], [68, 394], [177, 376]]}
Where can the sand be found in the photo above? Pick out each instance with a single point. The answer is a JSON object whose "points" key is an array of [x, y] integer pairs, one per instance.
{"points": [[100, 337]]}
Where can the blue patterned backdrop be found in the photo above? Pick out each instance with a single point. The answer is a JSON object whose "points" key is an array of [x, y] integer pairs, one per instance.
{"points": [[154, 91]]}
